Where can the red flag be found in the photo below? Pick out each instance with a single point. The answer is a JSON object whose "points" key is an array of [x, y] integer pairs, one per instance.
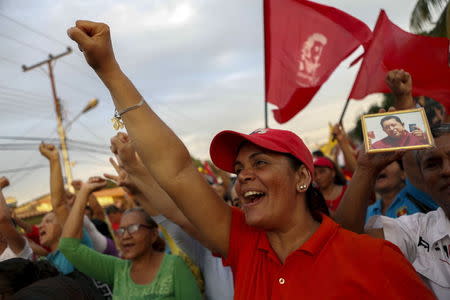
{"points": [[304, 43], [425, 58]]}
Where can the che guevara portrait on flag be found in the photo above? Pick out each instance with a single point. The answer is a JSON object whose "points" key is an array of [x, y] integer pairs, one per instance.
{"points": [[389, 131]]}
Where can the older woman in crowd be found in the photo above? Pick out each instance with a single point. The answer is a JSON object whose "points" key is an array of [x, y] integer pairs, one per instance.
{"points": [[145, 272], [280, 245]]}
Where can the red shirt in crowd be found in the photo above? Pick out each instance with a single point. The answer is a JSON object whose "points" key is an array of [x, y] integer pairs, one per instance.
{"points": [[407, 139], [333, 264], [35, 237], [333, 204]]}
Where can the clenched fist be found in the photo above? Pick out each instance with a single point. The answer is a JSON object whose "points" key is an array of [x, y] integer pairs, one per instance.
{"points": [[49, 151], [399, 81], [4, 182], [95, 41]]}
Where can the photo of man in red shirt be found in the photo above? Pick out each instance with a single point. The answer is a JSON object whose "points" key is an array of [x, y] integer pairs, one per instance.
{"points": [[397, 135]]}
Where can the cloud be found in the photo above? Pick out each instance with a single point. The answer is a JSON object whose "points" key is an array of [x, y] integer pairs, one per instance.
{"points": [[199, 64]]}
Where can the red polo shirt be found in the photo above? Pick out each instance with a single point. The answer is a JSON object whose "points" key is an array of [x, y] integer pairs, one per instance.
{"points": [[333, 264]]}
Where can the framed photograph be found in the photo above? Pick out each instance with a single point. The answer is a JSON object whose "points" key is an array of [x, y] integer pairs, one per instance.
{"points": [[389, 131]]}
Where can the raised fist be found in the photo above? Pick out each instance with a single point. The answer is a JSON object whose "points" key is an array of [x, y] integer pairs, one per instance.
{"points": [[4, 182], [399, 81], [122, 147], [95, 41], [49, 151]]}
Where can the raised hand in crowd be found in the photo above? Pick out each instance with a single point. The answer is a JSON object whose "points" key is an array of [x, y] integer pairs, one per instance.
{"points": [[346, 147], [400, 82], [77, 185], [57, 192], [155, 200], [12, 243], [163, 154], [49, 151], [351, 213], [74, 225], [122, 178]]}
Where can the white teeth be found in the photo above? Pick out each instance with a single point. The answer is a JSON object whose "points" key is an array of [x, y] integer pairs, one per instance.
{"points": [[252, 193]]}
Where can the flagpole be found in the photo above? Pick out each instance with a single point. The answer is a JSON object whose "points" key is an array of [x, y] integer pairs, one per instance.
{"points": [[341, 118], [266, 122], [266, 119]]}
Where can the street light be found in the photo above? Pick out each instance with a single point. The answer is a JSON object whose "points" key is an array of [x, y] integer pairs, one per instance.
{"points": [[91, 104], [65, 154]]}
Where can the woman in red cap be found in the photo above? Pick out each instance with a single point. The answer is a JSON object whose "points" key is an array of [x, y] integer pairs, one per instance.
{"points": [[330, 181], [280, 246]]}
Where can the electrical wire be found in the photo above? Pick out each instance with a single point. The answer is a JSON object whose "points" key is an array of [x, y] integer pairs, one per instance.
{"points": [[31, 29], [34, 167]]}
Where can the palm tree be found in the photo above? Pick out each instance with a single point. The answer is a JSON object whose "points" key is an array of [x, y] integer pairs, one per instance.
{"points": [[422, 17]]}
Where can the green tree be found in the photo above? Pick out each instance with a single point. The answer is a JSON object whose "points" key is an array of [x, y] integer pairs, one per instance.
{"points": [[422, 17]]}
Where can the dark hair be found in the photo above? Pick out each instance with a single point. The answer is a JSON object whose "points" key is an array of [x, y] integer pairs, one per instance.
{"points": [[339, 178], [400, 163], [111, 209], [17, 273], [430, 107], [314, 198], [389, 118], [318, 153], [441, 129], [159, 244]]}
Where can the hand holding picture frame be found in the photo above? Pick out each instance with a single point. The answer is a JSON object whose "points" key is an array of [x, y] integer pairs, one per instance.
{"points": [[397, 130]]}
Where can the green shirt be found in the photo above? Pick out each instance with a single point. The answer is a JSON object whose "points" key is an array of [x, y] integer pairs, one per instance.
{"points": [[173, 281]]}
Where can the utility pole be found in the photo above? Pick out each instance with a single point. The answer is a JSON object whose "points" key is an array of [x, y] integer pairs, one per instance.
{"points": [[59, 118]]}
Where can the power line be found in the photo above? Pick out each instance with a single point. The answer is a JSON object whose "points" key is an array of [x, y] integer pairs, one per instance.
{"points": [[20, 112], [89, 130], [75, 68], [39, 139], [10, 60], [23, 43], [36, 32], [21, 103], [77, 89], [23, 91], [31, 29], [23, 169]]}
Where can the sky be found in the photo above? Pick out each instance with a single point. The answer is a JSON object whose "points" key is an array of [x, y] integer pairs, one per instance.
{"points": [[198, 63]]}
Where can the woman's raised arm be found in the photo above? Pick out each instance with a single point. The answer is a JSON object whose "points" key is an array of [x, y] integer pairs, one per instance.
{"points": [[162, 152]]}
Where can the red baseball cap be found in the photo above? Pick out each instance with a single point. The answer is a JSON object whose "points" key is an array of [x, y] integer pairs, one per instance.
{"points": [[225, 145], [323, 162]]}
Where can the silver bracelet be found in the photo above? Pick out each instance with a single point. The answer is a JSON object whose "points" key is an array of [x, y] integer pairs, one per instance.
{"points": [[117, 119]]}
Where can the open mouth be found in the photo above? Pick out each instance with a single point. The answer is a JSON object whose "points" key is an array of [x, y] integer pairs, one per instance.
{"points": [[42, 233], [253, 197], [127, 246], [381, 176]]}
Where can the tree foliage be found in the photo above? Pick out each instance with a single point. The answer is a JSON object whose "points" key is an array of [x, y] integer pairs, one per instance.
{"points": [[422, 14]]}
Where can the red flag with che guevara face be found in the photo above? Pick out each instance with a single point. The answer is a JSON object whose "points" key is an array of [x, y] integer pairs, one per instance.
{"points": [[304, 43], [424, 57]]}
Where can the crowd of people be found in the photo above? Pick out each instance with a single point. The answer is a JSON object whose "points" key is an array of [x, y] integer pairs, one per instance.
{"points": [[280, 223]]}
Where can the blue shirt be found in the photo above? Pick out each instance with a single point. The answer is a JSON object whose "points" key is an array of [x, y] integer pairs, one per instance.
{"points": [[60, 261], [409, 200]]}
